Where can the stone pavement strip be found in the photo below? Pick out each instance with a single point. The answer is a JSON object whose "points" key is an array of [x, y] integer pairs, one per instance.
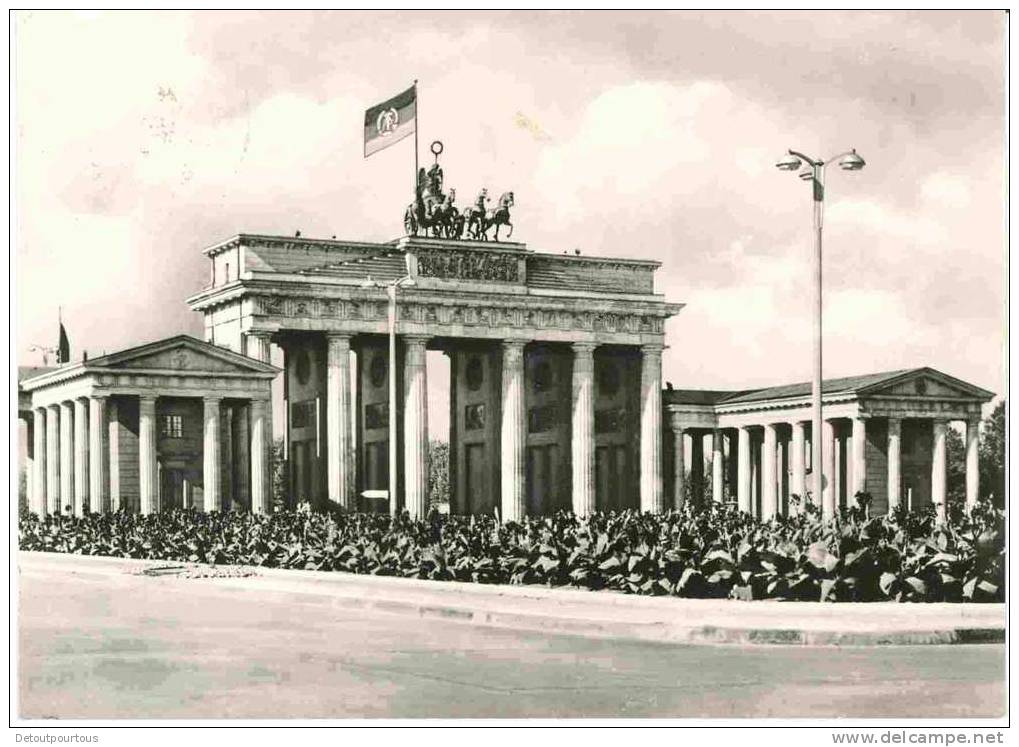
{"points": [[573, 611]]}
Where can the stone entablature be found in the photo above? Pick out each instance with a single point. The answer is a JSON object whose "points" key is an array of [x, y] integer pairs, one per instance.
{"points": [[462, 289]]}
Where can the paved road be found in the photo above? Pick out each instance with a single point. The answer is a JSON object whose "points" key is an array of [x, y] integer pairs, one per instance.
{"points": [[136, 647]]}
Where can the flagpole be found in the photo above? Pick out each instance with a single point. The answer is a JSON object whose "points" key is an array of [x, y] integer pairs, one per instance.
{"points": [[417, 121]]}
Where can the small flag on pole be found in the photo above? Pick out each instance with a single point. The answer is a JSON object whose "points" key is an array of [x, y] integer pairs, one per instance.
{"points": [[390, 122]]}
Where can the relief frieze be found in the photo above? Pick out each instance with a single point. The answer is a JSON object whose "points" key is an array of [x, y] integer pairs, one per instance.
{"points": [[457, 314], [469, 265]]}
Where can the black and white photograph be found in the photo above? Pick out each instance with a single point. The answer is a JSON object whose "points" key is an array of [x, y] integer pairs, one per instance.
{"points": [[506, 369]]}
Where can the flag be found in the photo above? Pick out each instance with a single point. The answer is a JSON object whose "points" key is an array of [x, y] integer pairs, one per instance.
{"points": [[391, 121], [63, 346]]}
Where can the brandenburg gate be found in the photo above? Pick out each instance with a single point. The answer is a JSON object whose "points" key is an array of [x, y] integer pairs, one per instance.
{"points": [[555, 367]]}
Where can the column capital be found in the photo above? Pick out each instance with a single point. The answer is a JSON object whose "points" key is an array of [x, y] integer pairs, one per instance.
{"points": [[513, 350], [583, 348], [652, 348], [259, 334], [416, 340], [212, 399], [99, 395], [147, 399], [338, 347], [339, 337], [676, 422]]}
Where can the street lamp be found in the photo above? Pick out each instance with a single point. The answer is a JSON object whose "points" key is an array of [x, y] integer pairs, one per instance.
{"points": [[792, 161], [408, 282]]}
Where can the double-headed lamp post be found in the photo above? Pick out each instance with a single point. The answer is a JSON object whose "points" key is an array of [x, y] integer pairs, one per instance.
{"points": [[792, 161], [408, 282]]}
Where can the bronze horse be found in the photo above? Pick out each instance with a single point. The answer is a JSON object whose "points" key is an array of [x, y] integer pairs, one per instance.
{"points": [[500, 216], [478, 221]]}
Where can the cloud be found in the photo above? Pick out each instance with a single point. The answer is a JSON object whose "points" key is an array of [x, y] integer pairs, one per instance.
{"points": [[170, 131], [949, 190]]}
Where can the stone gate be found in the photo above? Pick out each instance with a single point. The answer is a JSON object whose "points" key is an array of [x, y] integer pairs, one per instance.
{"points": [[555, 361]]}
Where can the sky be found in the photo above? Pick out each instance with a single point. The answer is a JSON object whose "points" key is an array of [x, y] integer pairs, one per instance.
{"points": [[144, 137]]}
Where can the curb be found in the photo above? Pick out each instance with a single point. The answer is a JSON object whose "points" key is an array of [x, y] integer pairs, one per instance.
{"points": [[580, 613]]}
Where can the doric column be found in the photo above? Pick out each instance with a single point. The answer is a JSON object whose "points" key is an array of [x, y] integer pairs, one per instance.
{"points": [[97, 455], [415, 428], [212, 458], [697, 468], [81, 471], [769, 479], [582, 443], [260, 492], [829, 499], [53, 459], [799, 462], [148, 471], [939, 469], [894, 463], [338, 421], [512, 431], [972, 462], [858, 482], [66, 457], [113, 436], [37, 503], [256, 345], [678, 465], [743, 493], [717, 466], [651, 498]]}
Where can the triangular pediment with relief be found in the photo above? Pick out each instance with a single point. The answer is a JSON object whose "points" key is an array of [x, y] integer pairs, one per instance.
{"points": [[928, 383], [182, 353]]}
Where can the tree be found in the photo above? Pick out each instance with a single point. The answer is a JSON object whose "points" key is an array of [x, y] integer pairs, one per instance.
{"points": [[438, 472], [992, 457]]}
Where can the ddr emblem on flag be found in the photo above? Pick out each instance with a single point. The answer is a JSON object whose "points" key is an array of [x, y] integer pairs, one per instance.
{"points": [[390, 121]]}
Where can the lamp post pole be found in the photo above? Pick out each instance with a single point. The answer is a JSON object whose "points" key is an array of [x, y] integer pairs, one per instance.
{"points": [[391, 291], [848, 161], [815, 387]]}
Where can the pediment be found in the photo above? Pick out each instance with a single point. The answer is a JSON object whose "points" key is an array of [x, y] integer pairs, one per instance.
{"points": [[929, 384], [183, 353]]}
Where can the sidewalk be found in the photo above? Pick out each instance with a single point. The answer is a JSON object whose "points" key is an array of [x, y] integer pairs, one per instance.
{"points": [[575, 612]]}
